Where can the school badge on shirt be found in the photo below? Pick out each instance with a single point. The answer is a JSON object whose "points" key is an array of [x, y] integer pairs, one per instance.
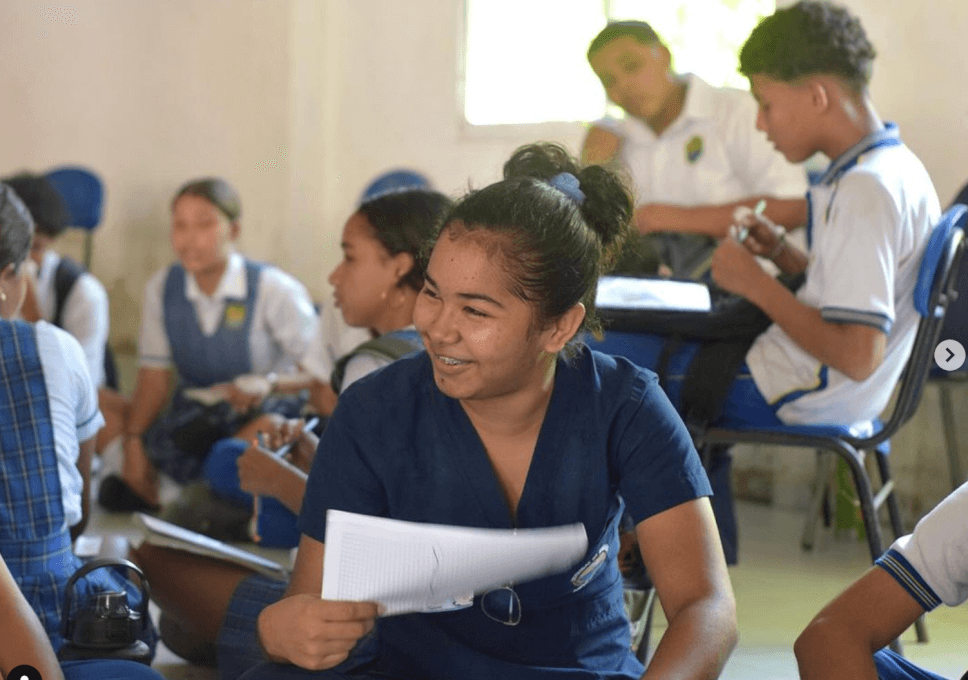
{"points": [[694, 149], [234, 315]]}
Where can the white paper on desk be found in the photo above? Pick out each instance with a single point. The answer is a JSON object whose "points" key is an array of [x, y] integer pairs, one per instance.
{"points": [[415, 567], [625, 292]]}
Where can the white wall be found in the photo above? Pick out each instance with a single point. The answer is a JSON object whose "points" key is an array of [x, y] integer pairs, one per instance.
{"points": [[301, 102]]}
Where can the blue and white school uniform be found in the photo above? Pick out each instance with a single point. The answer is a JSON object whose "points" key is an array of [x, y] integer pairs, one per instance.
{"points": [[48, 405], [397, 447], [870, 218], [711, 154], [258, 320], [931, 564], [871, 215]]}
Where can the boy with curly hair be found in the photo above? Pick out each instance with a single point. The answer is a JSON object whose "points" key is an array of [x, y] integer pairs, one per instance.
{"points": [[837, 347]]}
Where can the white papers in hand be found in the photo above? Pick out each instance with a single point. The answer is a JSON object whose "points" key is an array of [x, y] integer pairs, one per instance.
{"points": [[415, 567], [624, 292]]}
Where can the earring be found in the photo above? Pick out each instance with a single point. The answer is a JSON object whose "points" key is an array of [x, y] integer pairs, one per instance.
{"points": [[3, 296]]}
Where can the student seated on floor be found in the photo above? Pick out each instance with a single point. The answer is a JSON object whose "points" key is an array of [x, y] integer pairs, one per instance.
{"points": [[918, 573], [376, 286], [382, 237], [503, 422], [61, 292], [690, 150], [836, 347], [48, 421], [211, 317]]}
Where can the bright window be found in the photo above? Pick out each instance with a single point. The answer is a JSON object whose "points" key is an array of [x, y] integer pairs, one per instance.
{"points": [[525, 59]]}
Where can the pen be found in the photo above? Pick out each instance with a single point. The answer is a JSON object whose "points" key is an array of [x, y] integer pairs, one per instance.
{"points": [[758, 210], [286, 448], [256, 503]]}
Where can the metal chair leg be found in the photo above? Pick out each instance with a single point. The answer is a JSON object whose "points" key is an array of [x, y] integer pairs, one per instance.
{"points": [[825, 467], [884, 469], [866, 498], [642, 653], [950, 436]]}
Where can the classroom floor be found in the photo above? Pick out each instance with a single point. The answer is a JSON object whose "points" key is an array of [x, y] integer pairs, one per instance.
{"points": [[778, 590]]}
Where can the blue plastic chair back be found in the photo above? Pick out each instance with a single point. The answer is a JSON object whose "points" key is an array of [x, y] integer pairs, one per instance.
{"points": [[83, 192], [392, 181], [933, 252]]}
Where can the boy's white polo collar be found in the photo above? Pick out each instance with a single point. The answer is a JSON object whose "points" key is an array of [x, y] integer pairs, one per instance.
{"points": [[232, 286], [886, 136], [699, 103]]}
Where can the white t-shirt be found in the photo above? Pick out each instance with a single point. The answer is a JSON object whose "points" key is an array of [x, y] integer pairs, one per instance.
{"points": [[283, 321], [85, 316], [869, 228], [932, 563], [712, 153], [73, 408], [333, 339]]}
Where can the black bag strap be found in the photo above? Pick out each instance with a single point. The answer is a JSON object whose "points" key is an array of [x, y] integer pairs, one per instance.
{"points": [[383, 347], [713, 370], [65, 276]]}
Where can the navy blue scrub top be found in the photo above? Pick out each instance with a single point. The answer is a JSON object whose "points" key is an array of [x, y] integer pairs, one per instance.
{"points": [[398, 447]]}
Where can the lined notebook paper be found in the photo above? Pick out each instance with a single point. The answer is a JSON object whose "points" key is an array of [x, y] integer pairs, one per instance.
{"points": [[414, 567], [625, 292]]}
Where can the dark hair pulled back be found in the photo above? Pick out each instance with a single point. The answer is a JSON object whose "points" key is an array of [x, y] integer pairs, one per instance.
{"points": [[554, 247], [46, 205], [216, 191], [404, 222]]}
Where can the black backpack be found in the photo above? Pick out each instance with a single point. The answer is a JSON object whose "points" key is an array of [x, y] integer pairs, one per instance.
{"points": [[725, 334], [65, 276]]}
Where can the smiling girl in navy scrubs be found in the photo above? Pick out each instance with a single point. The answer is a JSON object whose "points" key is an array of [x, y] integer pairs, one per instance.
{"points": [[503, 422]]}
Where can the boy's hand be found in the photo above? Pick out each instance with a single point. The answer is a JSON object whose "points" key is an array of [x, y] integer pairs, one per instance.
{"points": [[755, 231], [735, 269], [656, 217]]}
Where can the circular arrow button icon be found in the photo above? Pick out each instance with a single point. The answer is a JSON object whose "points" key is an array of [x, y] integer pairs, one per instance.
{"points": [[949, 355]]}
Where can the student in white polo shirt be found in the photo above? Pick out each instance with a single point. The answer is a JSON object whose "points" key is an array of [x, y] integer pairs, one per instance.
{"points": [[837, 346], [691, 149], [919, 572], [211, 317]]}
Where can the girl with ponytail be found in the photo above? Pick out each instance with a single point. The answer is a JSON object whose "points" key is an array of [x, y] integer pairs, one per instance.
{"points": [[506, 421]]}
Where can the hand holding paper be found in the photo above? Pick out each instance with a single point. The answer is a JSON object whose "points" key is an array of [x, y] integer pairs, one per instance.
{"points": [[413, 567]]}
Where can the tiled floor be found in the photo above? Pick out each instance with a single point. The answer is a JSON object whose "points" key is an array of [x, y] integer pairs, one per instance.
{"points": [[778, 590]]}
